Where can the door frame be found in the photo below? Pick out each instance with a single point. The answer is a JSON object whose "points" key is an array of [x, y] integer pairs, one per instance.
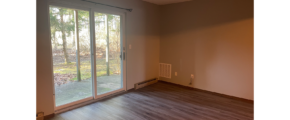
{"points": [[122, 47], [91, 9]]}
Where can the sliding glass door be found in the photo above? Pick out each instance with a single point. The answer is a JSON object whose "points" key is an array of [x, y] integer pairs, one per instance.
{"points": [[70, 38], [86, 66], [108, 52]]}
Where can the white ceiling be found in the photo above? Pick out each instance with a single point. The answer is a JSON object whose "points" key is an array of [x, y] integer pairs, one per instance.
{"points": [[164, 2]]}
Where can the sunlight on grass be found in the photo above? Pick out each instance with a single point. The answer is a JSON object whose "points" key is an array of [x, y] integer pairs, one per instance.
{"points": [[85, 68]]}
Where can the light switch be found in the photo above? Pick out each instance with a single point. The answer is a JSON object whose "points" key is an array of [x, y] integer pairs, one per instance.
{"points": [[130, 46]]}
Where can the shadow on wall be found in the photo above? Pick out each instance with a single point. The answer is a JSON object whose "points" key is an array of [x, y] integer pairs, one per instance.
{"points": [[199, 14], [152, 44], [142, 30]]}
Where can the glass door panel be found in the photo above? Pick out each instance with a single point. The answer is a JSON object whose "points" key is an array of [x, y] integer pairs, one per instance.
{"points": [[70, 41], [108, 53], [73, 65]]}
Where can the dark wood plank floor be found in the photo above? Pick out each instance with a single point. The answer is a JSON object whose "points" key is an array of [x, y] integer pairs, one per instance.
{"points": [[163, 101]]}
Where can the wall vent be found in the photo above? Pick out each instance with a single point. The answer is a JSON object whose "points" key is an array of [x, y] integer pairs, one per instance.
{"points": [[165, 70], [145, 83]]}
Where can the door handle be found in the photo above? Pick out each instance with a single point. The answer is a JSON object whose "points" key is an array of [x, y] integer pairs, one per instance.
{"points": [[122, 56]]}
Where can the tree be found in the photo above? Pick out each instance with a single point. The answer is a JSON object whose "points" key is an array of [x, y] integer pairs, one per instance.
{"points": [[84, 25], [115, 41], [58, 23], [62, 23], [53, 27], [66, 27], [113, 35]]}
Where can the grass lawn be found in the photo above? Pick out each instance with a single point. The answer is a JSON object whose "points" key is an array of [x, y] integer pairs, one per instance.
{"points": [[85, 68]]}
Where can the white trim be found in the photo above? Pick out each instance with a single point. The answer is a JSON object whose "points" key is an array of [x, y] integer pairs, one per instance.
{"points": [[110, 93], [51, 64], [93, 54], [74, 103], [85, 103], [124, 46]]}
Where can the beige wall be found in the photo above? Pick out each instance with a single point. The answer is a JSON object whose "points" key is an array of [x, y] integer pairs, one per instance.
{"points": [[142, 60], [213, 39], [44, 89]]}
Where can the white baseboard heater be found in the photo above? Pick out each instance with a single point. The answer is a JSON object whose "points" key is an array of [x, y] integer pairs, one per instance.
{"points": [[39, 116], [145, 83]]}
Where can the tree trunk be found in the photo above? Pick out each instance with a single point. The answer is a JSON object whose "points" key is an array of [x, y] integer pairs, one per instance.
{"points": [[78, 63], [66, 59], [55, 42], [107, 47], [74, 41]]}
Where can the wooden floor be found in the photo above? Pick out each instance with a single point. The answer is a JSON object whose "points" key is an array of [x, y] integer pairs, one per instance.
{"points": [[163, 101]]}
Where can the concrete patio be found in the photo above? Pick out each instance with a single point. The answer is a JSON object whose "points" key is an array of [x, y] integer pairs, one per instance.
{"points": [[73, 91]]}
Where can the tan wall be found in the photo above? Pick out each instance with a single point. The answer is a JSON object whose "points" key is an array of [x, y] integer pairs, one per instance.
{"points": [[142, 60], [213, 39], [44, 89]]}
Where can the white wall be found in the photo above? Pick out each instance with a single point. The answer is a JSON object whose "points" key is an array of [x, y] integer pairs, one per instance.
{"points": [[142, 32]]}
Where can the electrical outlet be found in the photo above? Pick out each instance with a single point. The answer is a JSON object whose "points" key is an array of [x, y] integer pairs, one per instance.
{"points": [[175, 73], [191, 79], [130, 46]]}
